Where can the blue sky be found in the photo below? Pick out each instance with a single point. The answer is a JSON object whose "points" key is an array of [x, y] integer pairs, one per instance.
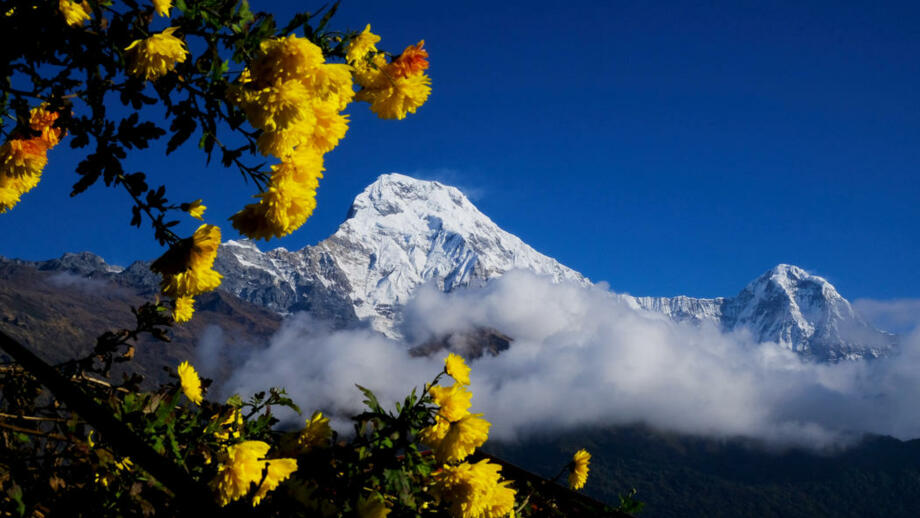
{"points": [[665, 147]]}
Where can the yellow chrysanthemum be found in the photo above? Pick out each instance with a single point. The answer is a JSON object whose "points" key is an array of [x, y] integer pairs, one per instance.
{"points": [[162, 7], [12, 188], [154, 57], [331, 82], [191, 383], [474, 490], [330, 127], [457, 368], [42, 121], [373, 74], [401, 96], [20, 157], [75, 14], [285, 59], [413, 60], [462, 438], [372, 507], [185, 308], [316, 433], [243, 466], [578, 469], [279, 106], [187, 266], [277, 471], [196, 209], [433, 434], [289, 200], [281, 143], [453, 400], [359, 48]]}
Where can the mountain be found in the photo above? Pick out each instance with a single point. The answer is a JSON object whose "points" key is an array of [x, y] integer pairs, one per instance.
{"points": [[789, 306], [401, 233], [57, 308]]}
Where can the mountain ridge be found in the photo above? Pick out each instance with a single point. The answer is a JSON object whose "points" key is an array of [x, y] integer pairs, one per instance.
{"points": [[401, 233]]}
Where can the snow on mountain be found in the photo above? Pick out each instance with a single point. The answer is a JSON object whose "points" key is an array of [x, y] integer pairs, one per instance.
{"points": [[789, 306], [401, 233]]}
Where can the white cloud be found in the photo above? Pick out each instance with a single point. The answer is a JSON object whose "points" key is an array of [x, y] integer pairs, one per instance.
{"points": [[582, 357]]}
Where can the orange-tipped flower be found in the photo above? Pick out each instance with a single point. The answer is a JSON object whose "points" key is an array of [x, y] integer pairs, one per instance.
{"points": [[413, 60]]}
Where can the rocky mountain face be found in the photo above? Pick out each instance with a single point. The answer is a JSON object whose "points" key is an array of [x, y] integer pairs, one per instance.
{"points": [[401, 233], [789, 306]]}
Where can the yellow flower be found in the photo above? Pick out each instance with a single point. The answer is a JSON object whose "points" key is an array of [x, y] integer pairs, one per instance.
{"points": [[75, 14], [373, 73], [578, 469], [474, 490], [191, 383], [162, 7], [433, 434], [154, 57], [187, 266], [11, 188], [289, 199], [453, 400], [20, 157], [362, 45], [42, 121], [243, 466], [457, 368], [279, 106], [241, 469], [277, 470], [286, 58], [185, 308], [331, 82], [372, 507], [330, 127], [195, 209], [316, 433], [462, 438], [401, 96], [413, 60]]}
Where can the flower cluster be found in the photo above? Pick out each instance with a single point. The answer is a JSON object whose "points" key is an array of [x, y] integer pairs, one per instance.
{"points": [[474, 490], [471, 490], [75, 14], [456, 433], [316, 434], [393, 88], [295, 98], [243, 465], [156, 56], [22, 159], [187, 269]]}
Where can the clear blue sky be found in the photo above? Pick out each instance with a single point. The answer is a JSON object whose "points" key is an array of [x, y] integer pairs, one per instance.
{"points": [[665, 147]]}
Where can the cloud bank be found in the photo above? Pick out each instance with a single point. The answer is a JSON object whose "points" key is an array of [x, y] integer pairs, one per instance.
{"points": [[582, 357]]}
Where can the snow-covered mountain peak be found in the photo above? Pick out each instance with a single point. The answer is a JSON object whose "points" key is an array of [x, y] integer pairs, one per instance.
{"points": [[402, 232], [791, 278], [396, 203]]}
